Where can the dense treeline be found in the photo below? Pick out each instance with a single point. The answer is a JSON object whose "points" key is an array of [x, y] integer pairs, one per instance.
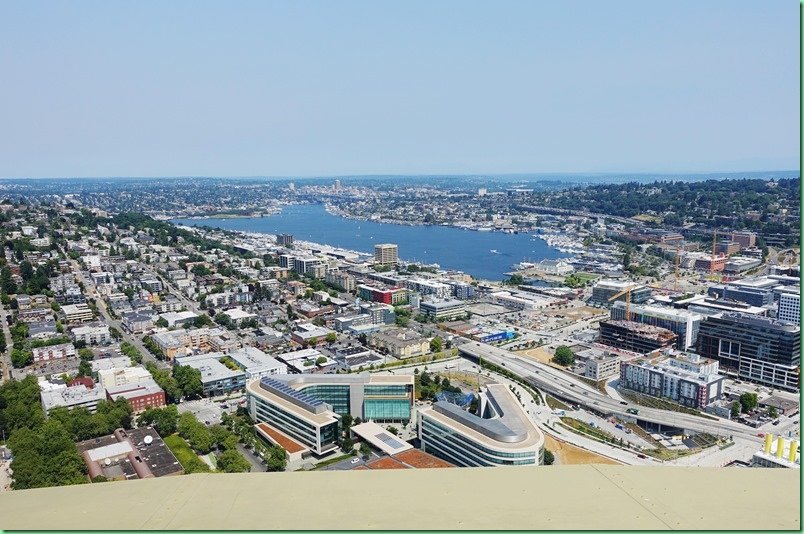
{"points": [[167, 234], [44, 450], [693, 201]]}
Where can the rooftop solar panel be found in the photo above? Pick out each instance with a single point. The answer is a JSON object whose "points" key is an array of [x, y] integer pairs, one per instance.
{"points": [[297, 397]]}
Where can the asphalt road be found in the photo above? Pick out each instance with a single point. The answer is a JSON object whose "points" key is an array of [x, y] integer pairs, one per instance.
{"points": [[553, 381]]}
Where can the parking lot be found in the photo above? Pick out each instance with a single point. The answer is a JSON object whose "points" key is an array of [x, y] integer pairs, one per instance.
{"points": [[209, 411]]}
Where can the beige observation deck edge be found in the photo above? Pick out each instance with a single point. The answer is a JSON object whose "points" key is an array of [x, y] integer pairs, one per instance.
{"points": [[527, 498]]}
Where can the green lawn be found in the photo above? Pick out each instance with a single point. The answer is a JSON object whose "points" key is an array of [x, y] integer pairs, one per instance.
{"points": [[332, 461], [185, 455]]}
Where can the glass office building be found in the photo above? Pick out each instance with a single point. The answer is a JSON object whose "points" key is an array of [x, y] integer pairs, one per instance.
{"points": [[505, 435], [308, 407], [303, 418], [759, 349]]}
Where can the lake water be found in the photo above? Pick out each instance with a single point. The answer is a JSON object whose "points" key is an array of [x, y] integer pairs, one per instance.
{"points": [[486, 255]]}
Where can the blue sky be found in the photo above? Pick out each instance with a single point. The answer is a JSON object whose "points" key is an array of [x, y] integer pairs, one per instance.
{"points": [[302, 88]]}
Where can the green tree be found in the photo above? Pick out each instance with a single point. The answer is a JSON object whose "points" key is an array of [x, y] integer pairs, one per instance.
{"points": [[275, 459], [564, 356], [548, 457], [188, 379], [436, 344], [748, 401], [735, 409], [347, 444], [515, 280], [773, 413], [164, 420], [332, 337], [162, 322], [231, 461], [84, 368], [365, 452]]}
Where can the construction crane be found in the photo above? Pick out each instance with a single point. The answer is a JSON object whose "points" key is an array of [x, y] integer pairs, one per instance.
{"points": [[627, 293]]}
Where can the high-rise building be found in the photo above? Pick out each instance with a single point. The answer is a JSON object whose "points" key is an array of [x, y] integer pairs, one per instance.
{"points": [[284, 239], [790, 307], [337, 185], [292, 186], [386, 254], [756, 348]]}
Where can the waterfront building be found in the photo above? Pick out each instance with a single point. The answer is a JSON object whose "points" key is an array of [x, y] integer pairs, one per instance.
{"points": [[503, 434], [760, 349], [386, 254]]}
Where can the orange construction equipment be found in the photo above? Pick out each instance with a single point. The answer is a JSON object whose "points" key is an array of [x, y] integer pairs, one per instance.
{"points": [[627, 293]]}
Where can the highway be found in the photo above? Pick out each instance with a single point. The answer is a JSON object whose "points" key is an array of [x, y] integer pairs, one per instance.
{"points": [[556, 382]]}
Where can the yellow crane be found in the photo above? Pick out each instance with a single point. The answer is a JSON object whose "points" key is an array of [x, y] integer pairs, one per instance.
{"points": [[627, 293]]}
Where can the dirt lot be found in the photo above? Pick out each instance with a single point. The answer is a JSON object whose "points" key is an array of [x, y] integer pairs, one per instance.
{"points": [[576, 314], [566, 454], [538, 354]]}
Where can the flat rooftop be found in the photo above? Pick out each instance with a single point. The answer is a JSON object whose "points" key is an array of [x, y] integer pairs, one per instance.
{"points": [[613, 497]]}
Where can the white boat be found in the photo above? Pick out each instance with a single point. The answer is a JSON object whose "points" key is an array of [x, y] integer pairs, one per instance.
{"points": [[494, 251]]}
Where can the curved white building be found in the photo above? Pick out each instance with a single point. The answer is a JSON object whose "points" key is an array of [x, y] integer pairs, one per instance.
{"points": [[504, 435]]}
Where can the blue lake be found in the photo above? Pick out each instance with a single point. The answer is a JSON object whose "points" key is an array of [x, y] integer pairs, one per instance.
{"points": [[486, 255]]}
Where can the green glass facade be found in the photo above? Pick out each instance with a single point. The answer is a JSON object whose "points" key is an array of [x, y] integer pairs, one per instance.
{"points": [[335, 395], [387, 402], [386, 410]]}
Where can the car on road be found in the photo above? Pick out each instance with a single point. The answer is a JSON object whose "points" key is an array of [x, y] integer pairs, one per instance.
{"points": [[354, 460], [624, 403], [760, 435]]}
